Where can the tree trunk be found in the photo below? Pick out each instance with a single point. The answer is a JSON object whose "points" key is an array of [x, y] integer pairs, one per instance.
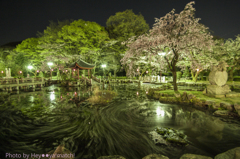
{"points": [[174, 80], [94, 71], [143, 72], [194, 76], [160, 77], [115, 73], [201, 76], [172, 67], [230, 74]]}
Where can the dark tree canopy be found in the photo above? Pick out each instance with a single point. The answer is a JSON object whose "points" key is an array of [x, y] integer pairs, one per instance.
{"points": [[126, 24]]}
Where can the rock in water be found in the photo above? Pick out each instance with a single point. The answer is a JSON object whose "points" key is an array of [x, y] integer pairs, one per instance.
{"points": [[157, 138], [193, 156], [223, 113], [155, 156], [111, 157], [237, 108], [168, 136], [230, 154], [60, 153]]}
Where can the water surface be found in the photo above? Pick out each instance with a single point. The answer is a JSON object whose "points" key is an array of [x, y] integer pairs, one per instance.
{"points": [[38, 123]]}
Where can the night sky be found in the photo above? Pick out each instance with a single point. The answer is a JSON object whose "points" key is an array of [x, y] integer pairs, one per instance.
{"points": [[21, 19]]}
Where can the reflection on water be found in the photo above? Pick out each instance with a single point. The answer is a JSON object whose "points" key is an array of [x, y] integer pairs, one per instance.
{"points": [[160, 112], [39, 123]]}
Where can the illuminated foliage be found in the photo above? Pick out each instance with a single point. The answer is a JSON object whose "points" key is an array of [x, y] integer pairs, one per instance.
{"points": [[29, 47], [82, 36], [228, 51]]}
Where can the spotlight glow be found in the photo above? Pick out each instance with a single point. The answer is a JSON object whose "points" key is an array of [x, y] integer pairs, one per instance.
{"points": [[52, 96]]}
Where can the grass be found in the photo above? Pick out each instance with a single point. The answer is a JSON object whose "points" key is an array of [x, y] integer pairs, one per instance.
{"points": [[207, 82], [201, 96], [101, 97]]}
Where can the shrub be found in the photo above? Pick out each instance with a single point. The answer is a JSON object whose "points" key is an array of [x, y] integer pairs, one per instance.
{"points": [[236, 78], [186, 73], [179, 75]]}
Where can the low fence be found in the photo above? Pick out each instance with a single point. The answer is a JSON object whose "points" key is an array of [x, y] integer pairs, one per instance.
{"points": [[19, 81], [24, 83], [96, 79], [87, 81]]}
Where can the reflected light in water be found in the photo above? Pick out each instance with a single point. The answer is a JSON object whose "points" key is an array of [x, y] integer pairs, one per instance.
{"points": [[137, 93], [52, 96], [160, 112]]}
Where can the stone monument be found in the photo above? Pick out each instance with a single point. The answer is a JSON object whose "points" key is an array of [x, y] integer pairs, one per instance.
{"points": [[163, 79], [8, 73], [218, 78]]}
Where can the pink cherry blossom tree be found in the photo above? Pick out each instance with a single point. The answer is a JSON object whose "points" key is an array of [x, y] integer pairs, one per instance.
{"points": [[172, 38]]}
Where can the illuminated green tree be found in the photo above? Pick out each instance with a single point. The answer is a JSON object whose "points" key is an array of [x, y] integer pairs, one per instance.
{"points": [[83, 37], [29, 47]]}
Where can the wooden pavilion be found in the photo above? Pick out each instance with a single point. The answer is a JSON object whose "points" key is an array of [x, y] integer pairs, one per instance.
{"points": [[81, 65]]}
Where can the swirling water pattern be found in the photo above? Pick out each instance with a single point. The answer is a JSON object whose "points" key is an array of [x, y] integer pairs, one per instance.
{"points": [[39, 123]]}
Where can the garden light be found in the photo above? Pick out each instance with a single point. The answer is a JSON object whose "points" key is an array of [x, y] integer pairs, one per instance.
{"points": [[20, 71], [30, 67], [50, 63], [1, 71], [103, 66], [162, 53], [52, 96]]}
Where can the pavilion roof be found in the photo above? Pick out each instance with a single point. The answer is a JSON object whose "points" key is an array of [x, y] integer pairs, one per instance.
{"points": [[82, 65]]}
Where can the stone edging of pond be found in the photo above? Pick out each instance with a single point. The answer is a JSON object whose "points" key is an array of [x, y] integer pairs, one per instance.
{"points": [[223, 109], [230, 154]]}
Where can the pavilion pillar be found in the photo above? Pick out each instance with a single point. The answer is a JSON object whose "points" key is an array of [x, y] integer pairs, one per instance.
{"points": [[160, 76], [78, 72], [88, 73]]}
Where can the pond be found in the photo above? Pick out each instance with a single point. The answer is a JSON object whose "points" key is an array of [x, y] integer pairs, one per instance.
{"points": [[39, 122]]}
